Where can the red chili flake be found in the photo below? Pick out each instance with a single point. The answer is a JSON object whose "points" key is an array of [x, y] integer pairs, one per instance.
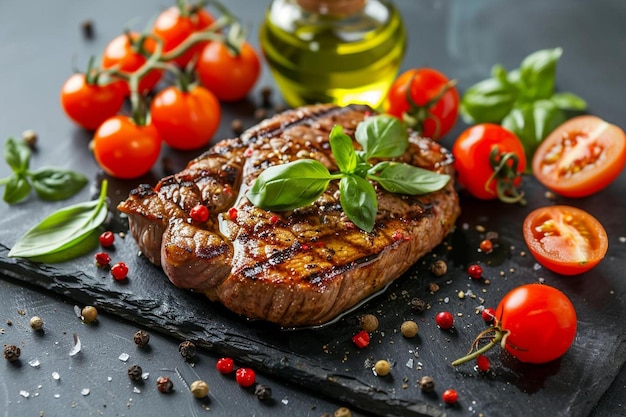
{"points": [[119, 271], [245, 377], [350, 226], [320, 244], [102, 259], [482, 363], [305, 247], [361, 339], [488, 315], [367, 114], [400, 234], [274, 219], [450, 396], [475, 271], [199, 213], [486, 246], [232, 213], [225, 365], [107, 239], [228, 190], [248, 153]]}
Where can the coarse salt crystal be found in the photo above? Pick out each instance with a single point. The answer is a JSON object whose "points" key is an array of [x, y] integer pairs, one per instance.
{"points": [[56, 376], [124, 357], [34, 363], [85, 391], [24, 394]]}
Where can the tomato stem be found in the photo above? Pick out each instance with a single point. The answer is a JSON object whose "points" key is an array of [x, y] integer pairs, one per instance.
{"points": [[418, 114], [505, 174], [498, 337]]}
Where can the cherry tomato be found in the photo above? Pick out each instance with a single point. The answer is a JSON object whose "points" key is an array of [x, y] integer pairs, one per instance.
{"points": [[87, 104], [230, 77], [580, 157], [426, 100], [123, 53], [540, 321], [564, 239], [124, 149], [186, 120], [174, 25], [489, 161]]}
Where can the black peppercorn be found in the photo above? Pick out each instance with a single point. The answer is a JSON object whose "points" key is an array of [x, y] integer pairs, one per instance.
{"points": [[237, 126], [87, 28], [263, 392], [141, 338], [12, 352], [426, 384], [164, 384], [187, 350], [135, 372], [418, 305]]}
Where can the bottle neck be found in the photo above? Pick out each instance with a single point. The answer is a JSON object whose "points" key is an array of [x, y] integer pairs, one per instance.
{"points": [[333, 8]]}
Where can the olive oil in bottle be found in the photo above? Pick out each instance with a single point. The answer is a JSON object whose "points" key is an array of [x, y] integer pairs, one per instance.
{"points": [[333, 51]]}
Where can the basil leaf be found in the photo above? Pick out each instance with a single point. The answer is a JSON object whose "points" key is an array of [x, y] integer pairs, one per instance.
{"points": [[408, 179], [488, 101], [17, 155], [57, 184], [533, 122], [343, 150], [538, 73], [568, 101], [63, 229], [382, 136], [358, 200], [289, 186], [16, 188], [82, 246]]}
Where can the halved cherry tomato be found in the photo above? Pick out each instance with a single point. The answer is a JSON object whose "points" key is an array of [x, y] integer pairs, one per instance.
{"points": [[564, 239], [124, 149], [177, 23], [580, 157], [124, 54], [426, 99], [540, 321], [230, 77], [88, 105], [186, 120], [489, 161]]}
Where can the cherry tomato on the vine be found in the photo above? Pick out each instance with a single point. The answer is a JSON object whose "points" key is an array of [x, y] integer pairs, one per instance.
{"points": [[489, 161], [426, 99], [540, 321], [124, 53], [174, 25], [580, 157], [564, 239], [186, 120], [124, 149], [230, 77], [89, 104]]}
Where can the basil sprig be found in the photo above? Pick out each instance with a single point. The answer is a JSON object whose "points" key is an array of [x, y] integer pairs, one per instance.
{"points": [[66, 233], [299, 183], [522, 100], [49, 183]]}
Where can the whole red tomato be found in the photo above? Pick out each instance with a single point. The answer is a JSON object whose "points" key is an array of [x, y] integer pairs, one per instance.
{"points": [[177, 23], [186, 120], [426, 99], [124, 54], [229, 76], [539, 323], [89, 104], [581, 157], [489, 161], [124, 149]]}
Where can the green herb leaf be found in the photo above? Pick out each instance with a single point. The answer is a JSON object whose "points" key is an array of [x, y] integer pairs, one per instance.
{"points": [[533, 122], [407, 179], [343, 150], [289, 186], [82, 246], [359, 202], [57, 184], [568, 101], [538, 73], [17, 155], [16, 188], [488, 101], [382, 136], [63, 230]]}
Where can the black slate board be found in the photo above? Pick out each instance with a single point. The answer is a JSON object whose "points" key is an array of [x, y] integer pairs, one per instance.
{"points": [[325, 359]]}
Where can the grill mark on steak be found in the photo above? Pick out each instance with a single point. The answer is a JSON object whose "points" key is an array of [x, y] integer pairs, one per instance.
{"points": [[296, 268]]}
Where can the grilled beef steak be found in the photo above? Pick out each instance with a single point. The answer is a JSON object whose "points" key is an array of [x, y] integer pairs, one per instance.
{"points": [[296, 268]]}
